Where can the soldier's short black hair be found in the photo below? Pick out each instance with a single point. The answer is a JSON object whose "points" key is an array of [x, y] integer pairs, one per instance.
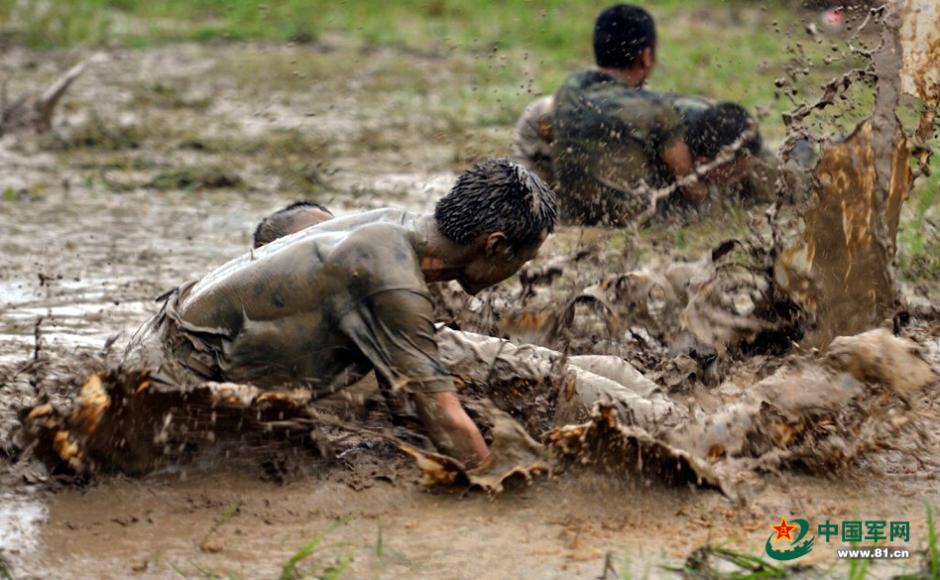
{"points": [[621, 33], [719, 126], [275, 225], [497, 195]]}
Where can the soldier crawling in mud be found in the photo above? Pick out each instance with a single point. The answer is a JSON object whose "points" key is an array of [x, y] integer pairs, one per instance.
{"points": [[323, 306], [492, 363], [607, 143]]}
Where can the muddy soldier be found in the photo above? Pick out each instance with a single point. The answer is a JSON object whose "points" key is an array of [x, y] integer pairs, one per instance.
{"points": [[749, 172], [607, 143], [709, 127], [323, 306], [609, 134], [499, 366]]}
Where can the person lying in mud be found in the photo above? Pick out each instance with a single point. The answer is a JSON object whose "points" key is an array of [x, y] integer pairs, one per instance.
{"points": [[607, 144], [323, 306], [492, 363], [292, 218], [709, 127]]}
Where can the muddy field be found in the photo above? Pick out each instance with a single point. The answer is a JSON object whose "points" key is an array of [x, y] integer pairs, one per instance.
{"points": [[160, 164]]}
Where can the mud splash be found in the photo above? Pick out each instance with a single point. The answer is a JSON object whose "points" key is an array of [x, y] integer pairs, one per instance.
{"points": [[819, 414], [606, 443], [847, 243], [20, 516], [120, 421], [840, 253]]}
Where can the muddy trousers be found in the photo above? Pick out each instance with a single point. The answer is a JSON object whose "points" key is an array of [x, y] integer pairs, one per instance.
{"points": [[574, 383]]}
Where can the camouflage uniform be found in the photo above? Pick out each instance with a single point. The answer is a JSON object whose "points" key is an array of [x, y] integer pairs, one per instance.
{"points": [[607, 141], [532, 147]]}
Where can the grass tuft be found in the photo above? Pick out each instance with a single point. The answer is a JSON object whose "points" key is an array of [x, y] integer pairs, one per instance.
{"points": [[169, 97], [196, 178], [918, 237], [710, 562], [334, 571], [858, 569], [6, 570], [97, 134], [933, 546]]}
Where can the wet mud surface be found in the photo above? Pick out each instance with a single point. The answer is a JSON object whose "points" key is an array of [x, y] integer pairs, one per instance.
{"points": [[552, 529], [162, 184]]}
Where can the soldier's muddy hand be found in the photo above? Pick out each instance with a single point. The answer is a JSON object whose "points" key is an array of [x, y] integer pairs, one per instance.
{"points": [[450, 428]]}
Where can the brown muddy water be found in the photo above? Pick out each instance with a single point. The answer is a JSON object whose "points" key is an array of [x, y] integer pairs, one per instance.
{"points": [[160, 165]]}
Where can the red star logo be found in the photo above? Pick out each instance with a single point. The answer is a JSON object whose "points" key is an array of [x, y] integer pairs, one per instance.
{"points": [[783, 530]]}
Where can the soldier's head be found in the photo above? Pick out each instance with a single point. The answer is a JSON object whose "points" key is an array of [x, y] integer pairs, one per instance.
{"points": [[288, 220], [723, 125], [625, 40], [499, 214]]}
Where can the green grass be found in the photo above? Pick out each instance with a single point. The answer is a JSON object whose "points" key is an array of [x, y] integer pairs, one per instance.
{"points": [[95, 133], [617, 567], [230, 512], [196, 177], [721, 563], [930, 563], [711, 562], [461, 65], [728, 50], [858, 569], [933, 546], [918, 237], [6, 571], [334, 571]]}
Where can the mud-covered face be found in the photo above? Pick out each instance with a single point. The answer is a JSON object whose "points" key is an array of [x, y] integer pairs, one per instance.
{"points": [[495, 262]]}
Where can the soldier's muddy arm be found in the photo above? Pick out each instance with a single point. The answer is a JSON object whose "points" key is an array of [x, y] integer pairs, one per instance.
{"points": [[395, 330], [448, 425], [450, 428], [679, 160], [668, 134]]}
